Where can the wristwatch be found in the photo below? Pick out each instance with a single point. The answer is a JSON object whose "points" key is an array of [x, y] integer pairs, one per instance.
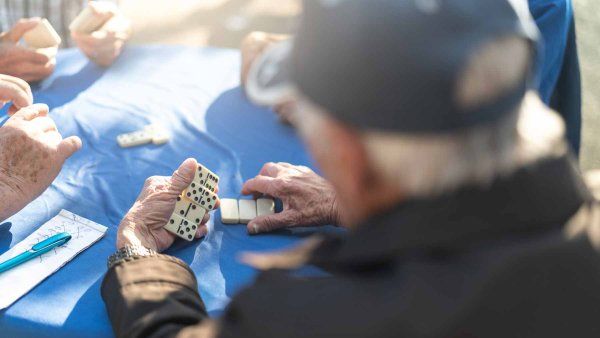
{"points": [[129, 252]]}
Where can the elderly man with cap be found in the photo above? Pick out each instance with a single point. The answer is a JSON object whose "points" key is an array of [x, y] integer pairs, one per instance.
{"points": [[466, 216]]}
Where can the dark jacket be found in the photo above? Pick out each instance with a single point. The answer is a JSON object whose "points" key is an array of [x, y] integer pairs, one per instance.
{"points": [[517, 259]]}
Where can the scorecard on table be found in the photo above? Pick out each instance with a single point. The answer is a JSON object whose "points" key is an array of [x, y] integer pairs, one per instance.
{"points": [[17, 281]]}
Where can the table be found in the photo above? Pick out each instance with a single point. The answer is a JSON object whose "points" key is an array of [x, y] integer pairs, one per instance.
{"points": [[195, 93]]}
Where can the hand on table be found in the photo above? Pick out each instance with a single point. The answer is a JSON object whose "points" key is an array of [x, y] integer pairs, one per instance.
{"points": [[143, 224], [28, 64], [308, 199], [104, 45], [32, 153], [14, 90]]}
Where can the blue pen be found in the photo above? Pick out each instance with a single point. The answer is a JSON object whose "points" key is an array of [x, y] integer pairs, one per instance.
{"points": [[36, 250]]}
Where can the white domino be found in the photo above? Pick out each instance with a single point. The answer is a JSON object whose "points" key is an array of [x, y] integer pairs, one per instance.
{"points": [[89, 21], [42, 35], [160, 135], [247, 210], [206, 178], [134, 139], [181, 227], [201, 196], [189, 210], [265, 206], [229, 211]]}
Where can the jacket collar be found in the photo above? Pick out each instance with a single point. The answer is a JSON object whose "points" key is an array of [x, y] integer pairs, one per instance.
{"points": [[538, 197]]}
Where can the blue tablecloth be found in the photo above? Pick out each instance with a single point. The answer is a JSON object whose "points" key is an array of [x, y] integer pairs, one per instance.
{"points": [[194, 92]]}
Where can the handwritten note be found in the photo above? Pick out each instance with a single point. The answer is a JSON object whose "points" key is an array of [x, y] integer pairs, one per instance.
{"points": [[19, 280]]}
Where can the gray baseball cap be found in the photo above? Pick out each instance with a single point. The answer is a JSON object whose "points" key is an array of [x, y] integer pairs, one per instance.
{"points": [[392, 65]]}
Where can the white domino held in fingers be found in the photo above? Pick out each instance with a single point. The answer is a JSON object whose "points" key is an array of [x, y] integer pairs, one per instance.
{"points": [[87, 21], [265, 206], [201, 196], [206, 178], [42, 35], [189, 210], [247, 210], [181, 227], [229, 211]]}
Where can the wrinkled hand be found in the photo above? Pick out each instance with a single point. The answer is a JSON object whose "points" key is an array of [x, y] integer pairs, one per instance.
{"points": [[25, 63], [143, 224], [104, 45], [308, 199], [32, 153], [14, 90]]}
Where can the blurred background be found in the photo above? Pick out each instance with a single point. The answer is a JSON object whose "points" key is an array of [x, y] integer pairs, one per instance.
{"points": [[223, 23]]}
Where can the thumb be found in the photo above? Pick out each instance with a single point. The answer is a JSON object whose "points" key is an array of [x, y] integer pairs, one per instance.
{"points": [[69, 146], [184, 175], [271, 222], [20, 28]]}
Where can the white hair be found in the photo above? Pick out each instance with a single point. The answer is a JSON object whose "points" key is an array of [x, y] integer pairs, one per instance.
{"points": [[431, 164]]}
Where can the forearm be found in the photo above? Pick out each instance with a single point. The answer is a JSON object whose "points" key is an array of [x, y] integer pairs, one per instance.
{"points": [[152, 297]]}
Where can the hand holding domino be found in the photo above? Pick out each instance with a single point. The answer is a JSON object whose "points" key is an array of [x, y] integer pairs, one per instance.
{"points": [[308, 199], [160, 213], [93, 17], [42, 35], [198, 199]]}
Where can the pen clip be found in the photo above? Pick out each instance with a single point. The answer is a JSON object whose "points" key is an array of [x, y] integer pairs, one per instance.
{"points": [[54, 241]]}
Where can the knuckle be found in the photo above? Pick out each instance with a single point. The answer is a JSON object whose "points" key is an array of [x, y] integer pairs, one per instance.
{"points": [[152, 181]]}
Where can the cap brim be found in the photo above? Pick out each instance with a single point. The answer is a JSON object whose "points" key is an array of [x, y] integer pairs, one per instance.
{"points": [[269, 82]]}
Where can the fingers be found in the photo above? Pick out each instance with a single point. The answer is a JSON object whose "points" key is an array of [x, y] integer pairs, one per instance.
{"points": [[44, 123], [260, 185], [36, 72], [20, 28], [270, 169], [30, 56], [10, 91], [23, 85], [271, 222], [31, 112], [69, 146], [184, 175], [202, 231]]}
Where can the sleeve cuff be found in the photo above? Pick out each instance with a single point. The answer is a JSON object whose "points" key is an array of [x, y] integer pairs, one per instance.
{"points": [[149, 269]]}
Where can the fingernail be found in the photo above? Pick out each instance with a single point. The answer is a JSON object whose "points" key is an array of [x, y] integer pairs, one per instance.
{"points": [[254, 228]]}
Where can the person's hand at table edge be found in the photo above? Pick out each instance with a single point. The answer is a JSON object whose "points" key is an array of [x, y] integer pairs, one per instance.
{"points": [[308, 199], [25, 63], [15, 90], [105, 45], [143, 224], [32, 153]]}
